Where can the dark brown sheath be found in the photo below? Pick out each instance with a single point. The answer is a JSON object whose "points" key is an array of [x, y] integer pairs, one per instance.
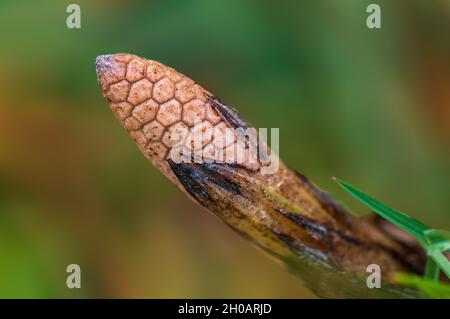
{"points": [[282, 212]]}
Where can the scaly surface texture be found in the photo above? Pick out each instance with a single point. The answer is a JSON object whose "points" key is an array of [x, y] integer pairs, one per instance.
{"points": [[283, 213], [160, 107]]}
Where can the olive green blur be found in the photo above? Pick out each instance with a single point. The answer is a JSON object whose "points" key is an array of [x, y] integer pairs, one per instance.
{"points": [[370, 106]]}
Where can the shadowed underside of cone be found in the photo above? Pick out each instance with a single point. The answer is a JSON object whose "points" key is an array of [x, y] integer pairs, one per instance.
{"points": [[283, 213]]}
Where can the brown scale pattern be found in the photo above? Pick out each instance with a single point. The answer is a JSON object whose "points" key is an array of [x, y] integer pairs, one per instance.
{"points": [[159, 106]]}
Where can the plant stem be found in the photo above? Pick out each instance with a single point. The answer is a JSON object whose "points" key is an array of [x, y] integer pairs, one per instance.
{"points": [[283, 213]]}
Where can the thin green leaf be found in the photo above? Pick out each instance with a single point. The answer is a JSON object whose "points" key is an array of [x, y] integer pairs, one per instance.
{"points": [[435, 242], [438, 240], [428, 287], [441, 260], [399, 219], [432, 270]]}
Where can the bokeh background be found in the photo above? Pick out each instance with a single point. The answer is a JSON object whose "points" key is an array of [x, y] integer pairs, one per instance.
{"points": [[369, 106]]}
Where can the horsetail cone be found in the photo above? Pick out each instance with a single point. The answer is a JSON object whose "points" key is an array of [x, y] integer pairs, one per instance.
{"points": [[280, 210]]}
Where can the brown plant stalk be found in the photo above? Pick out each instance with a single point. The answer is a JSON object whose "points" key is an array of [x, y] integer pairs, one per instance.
{"points": [[282, 212]]}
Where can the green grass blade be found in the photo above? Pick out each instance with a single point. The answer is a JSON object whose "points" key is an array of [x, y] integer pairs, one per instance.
{"points": [[399, 219], [428, 287], [438, 240], [441, 261], [432, 270], [433, 241]]}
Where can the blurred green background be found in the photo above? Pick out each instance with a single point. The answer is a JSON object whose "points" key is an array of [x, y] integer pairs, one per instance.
{"points": [[369, 106]]}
